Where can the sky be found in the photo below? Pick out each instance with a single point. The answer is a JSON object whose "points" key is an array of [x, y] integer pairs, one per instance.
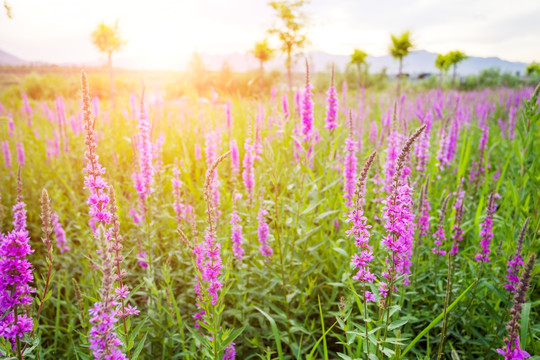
{"points": [[164, 34]]}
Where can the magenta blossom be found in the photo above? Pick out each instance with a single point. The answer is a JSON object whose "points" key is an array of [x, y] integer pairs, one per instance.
{"points": [[331, 106], [263, 231], [349, 170], [236, 229], [486, 231], [248, 173], [15, 276]]}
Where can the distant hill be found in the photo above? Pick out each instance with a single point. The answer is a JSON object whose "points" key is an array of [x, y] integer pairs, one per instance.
{"points": [[10, 60], [417, 62]]}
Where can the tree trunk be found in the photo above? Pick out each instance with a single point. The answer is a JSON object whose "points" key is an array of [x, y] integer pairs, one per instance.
{"points": [[359, 68], [440, 78], [261, 75], [399, 77], [289, 72], [111, 80]]}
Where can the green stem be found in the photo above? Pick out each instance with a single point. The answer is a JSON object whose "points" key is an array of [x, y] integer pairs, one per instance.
{"points": [[443, 332]]}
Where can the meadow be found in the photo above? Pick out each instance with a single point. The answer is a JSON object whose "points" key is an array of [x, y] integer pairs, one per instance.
{"points": [[324, 223]]}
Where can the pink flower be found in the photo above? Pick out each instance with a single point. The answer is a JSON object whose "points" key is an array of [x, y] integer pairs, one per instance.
{"points": [[486, 231], [349, 169], [263, 231], [331, 106], [248, 174]]}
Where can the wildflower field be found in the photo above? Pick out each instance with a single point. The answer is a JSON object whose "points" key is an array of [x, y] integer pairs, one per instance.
{"points": [[316, 224]]}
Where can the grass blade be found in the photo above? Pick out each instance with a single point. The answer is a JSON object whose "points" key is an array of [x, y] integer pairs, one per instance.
{"points": [[435, 321]]}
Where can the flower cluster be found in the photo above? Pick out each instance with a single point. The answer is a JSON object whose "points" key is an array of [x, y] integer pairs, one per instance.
{"points": [[399, 221], [59, 233], [7, 154], [230, 352], [360, 232], [458, 233], [15, 275], [248, 173], [212, 145], [20, 153], [424, 207], [486, 231], [285, 106], [331, 105], [307, 109], [440, 235], [391, 158], [183, 211], [421, 149], [236, 229], [235, 157], [512, 350], [99, 198], [207, 255], [104, 341], [515, 262], [144, 177], [263, 231], [349, 169]]}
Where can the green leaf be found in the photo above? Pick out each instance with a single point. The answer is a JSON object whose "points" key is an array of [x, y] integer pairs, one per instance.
{"points": [[435, 321], [139, 348], [396, 324], [320, 339], [232, 336], [525, 315], [344, 357], [274, 331], [340, 251]]}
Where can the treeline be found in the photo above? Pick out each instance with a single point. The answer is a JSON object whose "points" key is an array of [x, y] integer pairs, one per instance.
{"points": [[50, 82]]}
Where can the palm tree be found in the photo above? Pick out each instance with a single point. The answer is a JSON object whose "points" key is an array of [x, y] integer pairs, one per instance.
{"points": [[399, 48], [455, 57], [263, 53], [358, 58], [443, 64], [108, 41]]}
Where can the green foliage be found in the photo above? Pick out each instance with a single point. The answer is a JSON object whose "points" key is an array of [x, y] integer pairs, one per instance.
{"points": [[492, 78], [107, 38], [262, 51], [358, 57], [442, 62], [302, 304], [455, 57], [290, 30], [49, 86], [533, 69], [400, 45]]}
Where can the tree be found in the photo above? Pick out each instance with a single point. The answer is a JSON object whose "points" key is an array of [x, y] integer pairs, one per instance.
{"points": [[197, 73], [290, 30], [108, 41], [443, 64], [358, 58], [399, 48], [533, 69], [454, 58], [263, 53]]}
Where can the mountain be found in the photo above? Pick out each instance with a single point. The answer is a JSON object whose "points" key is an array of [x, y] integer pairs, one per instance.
{"points": [[10, 60], [417, 62]]}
